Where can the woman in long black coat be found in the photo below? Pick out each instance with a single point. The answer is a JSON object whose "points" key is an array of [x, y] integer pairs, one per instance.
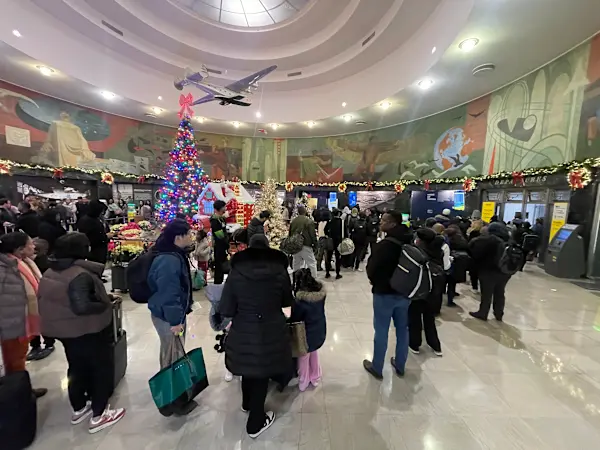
{"points": [[258, 344]]}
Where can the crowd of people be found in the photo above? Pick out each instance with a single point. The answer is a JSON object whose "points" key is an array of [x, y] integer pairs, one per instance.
{"points": [[52, 288]]}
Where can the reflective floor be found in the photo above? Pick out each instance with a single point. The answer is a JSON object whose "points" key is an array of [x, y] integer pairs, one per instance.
{"points": [[532, 382]]}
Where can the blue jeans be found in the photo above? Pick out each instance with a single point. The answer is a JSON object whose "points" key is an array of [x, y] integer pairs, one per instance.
{"points": [[385, 308]]}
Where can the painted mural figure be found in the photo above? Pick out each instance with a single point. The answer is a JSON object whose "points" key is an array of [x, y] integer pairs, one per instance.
{"points": [[66, 140], [311, 167]]}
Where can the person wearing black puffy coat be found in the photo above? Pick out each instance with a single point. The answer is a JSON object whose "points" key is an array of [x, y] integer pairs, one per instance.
{"points": [[258, 344]]}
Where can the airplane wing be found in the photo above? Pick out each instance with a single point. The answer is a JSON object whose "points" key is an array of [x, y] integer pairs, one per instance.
{"points": [[207, 98], [244, 83]]}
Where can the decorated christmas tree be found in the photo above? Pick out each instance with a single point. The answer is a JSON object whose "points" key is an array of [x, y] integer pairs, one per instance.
{"points": [[268, 201], [302, 201], [185, 178]]}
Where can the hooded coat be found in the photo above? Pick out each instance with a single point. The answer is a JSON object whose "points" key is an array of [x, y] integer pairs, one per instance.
{"points": [[486, 250], [310, 309], [50, 229], [91, 225], [256, 226], [258, 287]]}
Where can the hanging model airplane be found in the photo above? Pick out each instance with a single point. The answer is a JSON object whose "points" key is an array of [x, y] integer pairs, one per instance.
{"points": [[237, 93]]}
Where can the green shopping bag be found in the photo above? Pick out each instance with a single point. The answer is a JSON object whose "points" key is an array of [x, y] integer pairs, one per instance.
{"points": [[179, 383], [198, 281]]}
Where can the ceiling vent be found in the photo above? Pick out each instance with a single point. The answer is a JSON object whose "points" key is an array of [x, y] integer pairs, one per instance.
{"points": [[150, 115], [368, 39], [484, 69], [294, 74], [360, 122], [112, 28], [214, 71]]}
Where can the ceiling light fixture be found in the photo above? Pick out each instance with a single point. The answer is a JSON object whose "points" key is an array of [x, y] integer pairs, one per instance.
{"points": [[17, 33], [200, 119], [274, 126], [156, 110], [107, 95], [258, 115], [385, 105], [236, 124], [44, 70], [311, 123], [468, 44], [425, 83], [344, 104], [347, 117], [433, 50], [160, 97]]}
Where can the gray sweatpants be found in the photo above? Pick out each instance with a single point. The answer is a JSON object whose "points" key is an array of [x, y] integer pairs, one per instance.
{"points": [[305, 257], [170, 350]]}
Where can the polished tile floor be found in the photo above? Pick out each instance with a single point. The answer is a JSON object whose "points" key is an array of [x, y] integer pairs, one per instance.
{"points": [[532, 382]]}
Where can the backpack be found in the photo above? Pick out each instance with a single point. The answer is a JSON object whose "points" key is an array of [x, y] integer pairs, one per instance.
{"points": [[292, 244], [460, 265], [511, 258], [530, 242], [359, 230], [137, 277], [412, 276], [373, 227]]}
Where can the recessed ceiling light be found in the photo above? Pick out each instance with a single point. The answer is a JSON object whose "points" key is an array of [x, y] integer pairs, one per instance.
{"points": [[107, 95], [311, 123], [344, 104], [468, 44], [258, 115], [425, 83], [200, 119], [44, 70], [347, 117], [385, 105], [433, 50], [156, 110], [160, 97], [274, 126], [236, 124], [17, 33]]}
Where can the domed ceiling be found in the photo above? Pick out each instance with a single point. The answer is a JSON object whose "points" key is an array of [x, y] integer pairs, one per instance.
{"points": [[339, 62]]}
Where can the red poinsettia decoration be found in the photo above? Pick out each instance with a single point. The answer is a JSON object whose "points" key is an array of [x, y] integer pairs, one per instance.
{"points": [[57, 174], [426, 184], [469, 185], [369, 185], [235, 180], [342, 187], [518, 179], [141, 179], [4, 169], [579, 178], [107, 178], [399, 187], [289, 186]]}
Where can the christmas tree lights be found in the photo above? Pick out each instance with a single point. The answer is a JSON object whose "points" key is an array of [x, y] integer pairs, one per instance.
{"points": [[185, 178], [268, 201]]}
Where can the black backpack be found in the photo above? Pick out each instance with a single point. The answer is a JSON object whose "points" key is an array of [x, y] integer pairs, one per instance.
{"points": [[372, 227], [530, 242], [412, 276], [137, 277], [511, 258], [359, 230], [460, 265]]}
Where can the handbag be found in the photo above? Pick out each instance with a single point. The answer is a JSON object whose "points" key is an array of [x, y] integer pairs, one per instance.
{"points": [[298, 339], [180, 382], [292, 244], [326, 243], [198, 281]]}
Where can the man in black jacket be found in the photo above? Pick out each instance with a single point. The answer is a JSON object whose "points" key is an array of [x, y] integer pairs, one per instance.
{"points": [[28, 221], [387, 303], [372, 230], [257, 224], [220, 239]]}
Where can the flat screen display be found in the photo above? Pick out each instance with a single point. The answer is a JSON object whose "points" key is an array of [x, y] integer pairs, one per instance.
{"points": [[563, 235]]}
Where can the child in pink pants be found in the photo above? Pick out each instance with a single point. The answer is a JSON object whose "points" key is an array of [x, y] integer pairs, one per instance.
{"points": [[310, 309]]}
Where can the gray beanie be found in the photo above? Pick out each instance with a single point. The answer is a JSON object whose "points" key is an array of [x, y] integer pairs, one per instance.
{"points": [[476, 214]]}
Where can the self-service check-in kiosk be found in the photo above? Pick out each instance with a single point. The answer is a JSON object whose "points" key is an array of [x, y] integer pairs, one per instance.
{"points": [[566, 253]]}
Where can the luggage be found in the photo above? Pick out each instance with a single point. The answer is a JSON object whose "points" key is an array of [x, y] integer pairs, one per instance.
{"points": [[179, 383], [18, 410], [119, 344], [412, 276]]}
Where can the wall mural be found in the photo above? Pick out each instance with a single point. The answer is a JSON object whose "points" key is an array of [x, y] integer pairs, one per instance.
{"points": [[548, 117]]}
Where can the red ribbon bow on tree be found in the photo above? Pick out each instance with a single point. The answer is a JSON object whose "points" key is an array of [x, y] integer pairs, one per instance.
{"points": [[518, 179], [579, 178], [186, 103], [58, 174]]}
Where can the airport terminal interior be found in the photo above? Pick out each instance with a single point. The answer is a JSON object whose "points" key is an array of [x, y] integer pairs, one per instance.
{"points": [[484, 114]]}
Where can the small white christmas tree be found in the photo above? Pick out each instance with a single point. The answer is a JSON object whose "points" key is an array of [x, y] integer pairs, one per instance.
{"points": [[268, 201], [302, 201]]}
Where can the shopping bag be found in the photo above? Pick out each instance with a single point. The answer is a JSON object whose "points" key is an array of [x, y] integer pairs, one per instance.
{"points": [[198, 281], [180, 382], [298, 339]]}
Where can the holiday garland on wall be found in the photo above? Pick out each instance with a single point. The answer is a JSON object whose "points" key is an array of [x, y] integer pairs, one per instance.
{"points": [[518, 177]]}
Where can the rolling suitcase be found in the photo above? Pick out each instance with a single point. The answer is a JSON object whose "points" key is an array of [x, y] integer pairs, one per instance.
{"points": [[119, 344], [18, 410]]}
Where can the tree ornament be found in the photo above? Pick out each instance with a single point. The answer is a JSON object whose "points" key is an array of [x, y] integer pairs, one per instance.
{"points": [[342, 187], [518, 179], [399, 187], [57, 174], [426, 184], [186, 102], [579, 178], [469, 184], [289, 186], [107, 178]]}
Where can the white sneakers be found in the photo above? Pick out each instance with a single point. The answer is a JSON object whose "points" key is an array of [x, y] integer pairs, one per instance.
{"points": [[81, 415], [108, 418]]}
